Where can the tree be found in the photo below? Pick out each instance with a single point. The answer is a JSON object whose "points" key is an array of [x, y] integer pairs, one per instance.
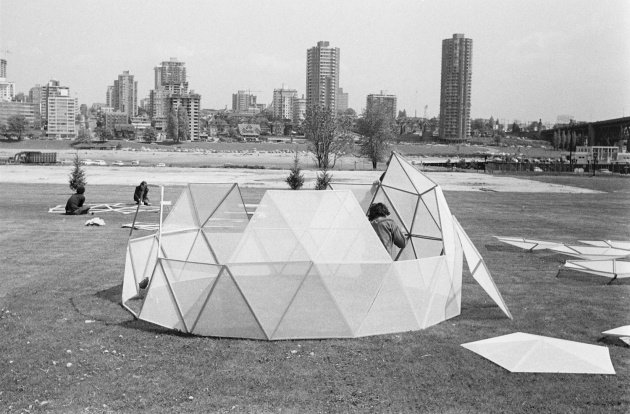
{"points": [[103, 133], [377, 126], [295, 179], [323, 179], [182, 123], [172, 130], [83, 136], [515, 127], [556, 140], [77, 175], [491, 123], [150, 134], [326, 135], [16, 125], [402, 114]]}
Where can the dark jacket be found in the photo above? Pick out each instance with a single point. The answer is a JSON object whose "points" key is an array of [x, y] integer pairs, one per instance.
{"points": [[75, 202], [389, 233], [141, 194]]}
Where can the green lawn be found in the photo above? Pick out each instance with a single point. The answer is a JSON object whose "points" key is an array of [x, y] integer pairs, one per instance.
{"points": [[60, 291]]}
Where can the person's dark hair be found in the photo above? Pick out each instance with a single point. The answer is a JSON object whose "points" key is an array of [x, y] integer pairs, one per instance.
{"points": [[144, 183], [80, 189], [377, 210]]}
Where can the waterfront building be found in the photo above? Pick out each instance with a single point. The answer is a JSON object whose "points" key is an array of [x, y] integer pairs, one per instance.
{"points": [[455, 88], [109, 96], [390, 101], [171, 76], [3, 68], [322, 76]]}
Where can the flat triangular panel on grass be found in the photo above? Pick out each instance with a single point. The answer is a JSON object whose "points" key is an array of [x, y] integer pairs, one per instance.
{"points": [[479, 270], [404, 204], [269, 288], [182, 215], [312, 313], [206, 197], [522, 352], [396, 177], [191, 284], [227, 313], [159, 306], [391, 311], [354, 287]]}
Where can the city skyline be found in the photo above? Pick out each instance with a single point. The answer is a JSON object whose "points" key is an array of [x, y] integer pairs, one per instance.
{"points": [[533, 60]]}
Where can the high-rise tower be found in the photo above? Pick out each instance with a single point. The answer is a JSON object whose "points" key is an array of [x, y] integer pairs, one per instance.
{"points": [[125, 94], [455, 88], [322, 76]]}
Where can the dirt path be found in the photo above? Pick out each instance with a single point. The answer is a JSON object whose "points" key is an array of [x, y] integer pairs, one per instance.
{"points": [[263, 178]]}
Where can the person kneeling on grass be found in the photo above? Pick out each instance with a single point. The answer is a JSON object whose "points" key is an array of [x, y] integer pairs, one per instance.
{"points": [[386, 228], [75, 206], [141, 195]]}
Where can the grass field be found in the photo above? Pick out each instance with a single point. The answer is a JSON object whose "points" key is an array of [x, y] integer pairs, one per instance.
{"points": [[59, 301]]}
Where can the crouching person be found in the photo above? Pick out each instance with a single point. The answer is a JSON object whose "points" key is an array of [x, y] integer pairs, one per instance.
{"points": [[75, 206], [141, 195]]}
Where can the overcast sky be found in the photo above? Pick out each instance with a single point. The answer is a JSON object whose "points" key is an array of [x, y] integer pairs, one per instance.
{"points": [[531, 59]]}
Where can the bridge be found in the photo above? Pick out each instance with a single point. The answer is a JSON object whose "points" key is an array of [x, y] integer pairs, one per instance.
{"points": [[601, 133]]}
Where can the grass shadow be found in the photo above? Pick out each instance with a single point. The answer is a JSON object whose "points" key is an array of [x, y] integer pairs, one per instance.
{"points": [[576, 276]]}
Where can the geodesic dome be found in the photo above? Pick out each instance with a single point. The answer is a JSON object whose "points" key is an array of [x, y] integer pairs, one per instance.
{"points": [[307, 265]]}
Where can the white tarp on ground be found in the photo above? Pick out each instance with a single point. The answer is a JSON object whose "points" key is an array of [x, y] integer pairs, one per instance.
{"points": [[307, 265], [603, 249], [522, 352], [622, 332]]}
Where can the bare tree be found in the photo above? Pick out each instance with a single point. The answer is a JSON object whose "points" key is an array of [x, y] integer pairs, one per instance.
{"points": [[326, 135], [377, 126]]}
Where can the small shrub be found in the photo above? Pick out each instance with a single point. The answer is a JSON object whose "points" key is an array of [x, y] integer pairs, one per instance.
{"points": [[77, 175], [295, 179], [322, 181]]}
